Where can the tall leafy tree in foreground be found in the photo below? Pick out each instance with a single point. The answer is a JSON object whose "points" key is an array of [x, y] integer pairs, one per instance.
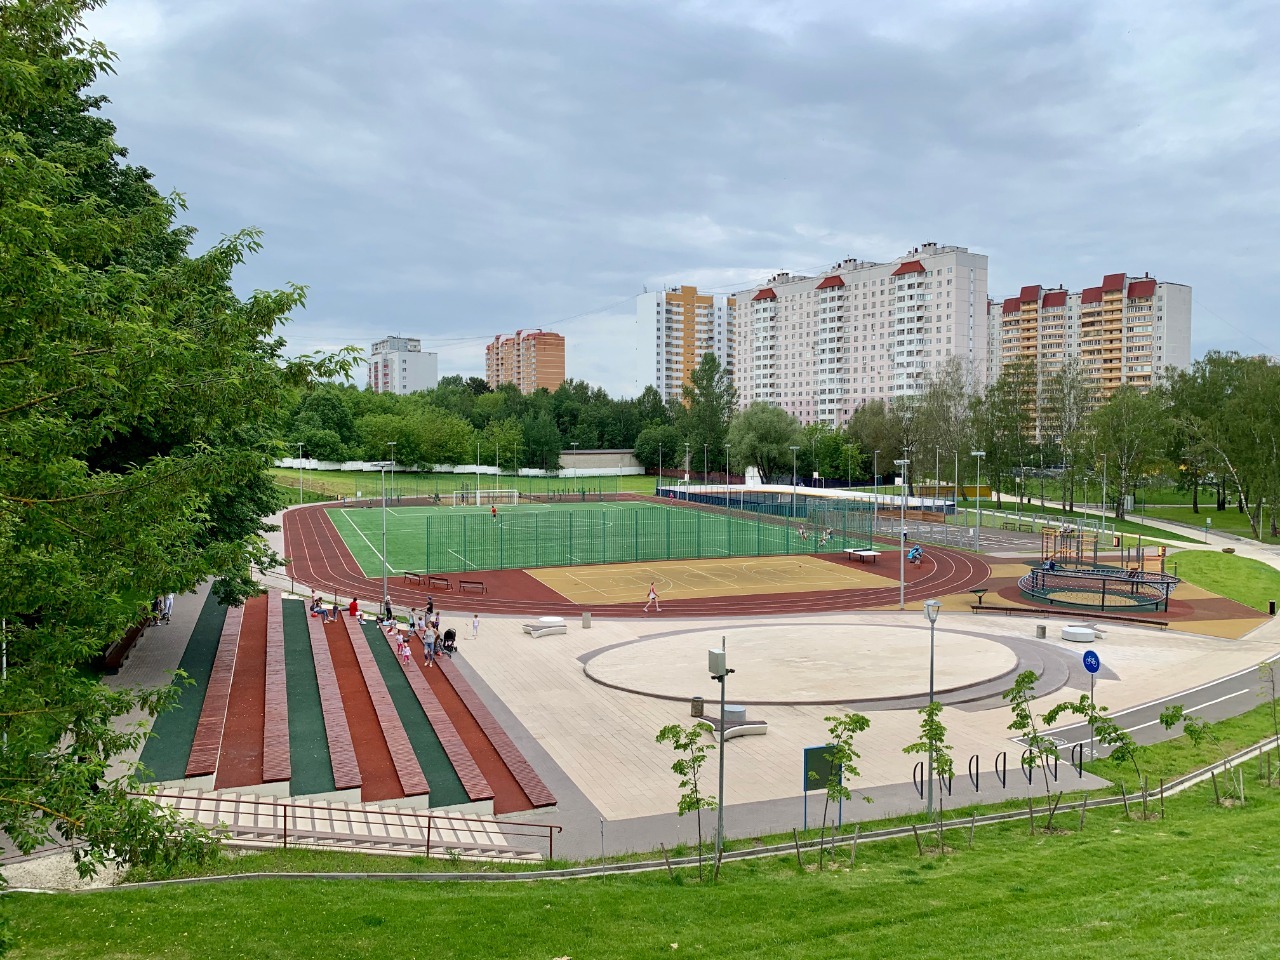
{"points": [[137, 398]]}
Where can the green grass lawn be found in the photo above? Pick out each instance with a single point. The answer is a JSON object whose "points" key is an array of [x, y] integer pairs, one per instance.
{"points": [[1240, 578], [328, 484], [1132, 528], [1201, 882], [458, 539], [1230, 520]]}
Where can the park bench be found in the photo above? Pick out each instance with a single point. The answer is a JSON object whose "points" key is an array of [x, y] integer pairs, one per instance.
{"points": [[472, 586], [545, 627], [410, 577], [1075, 613], [1008, 525], [438, 583]]}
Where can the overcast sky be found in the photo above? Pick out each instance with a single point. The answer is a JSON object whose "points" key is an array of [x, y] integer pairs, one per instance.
{"points": [[452, 170]]}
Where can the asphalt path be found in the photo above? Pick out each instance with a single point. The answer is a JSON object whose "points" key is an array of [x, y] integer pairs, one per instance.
{"points": [[1216, 700]]}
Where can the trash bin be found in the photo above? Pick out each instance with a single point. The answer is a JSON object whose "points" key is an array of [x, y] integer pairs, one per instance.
{"points": [[1040, 631], [586, 619], [695, 707], [1271, 606]]}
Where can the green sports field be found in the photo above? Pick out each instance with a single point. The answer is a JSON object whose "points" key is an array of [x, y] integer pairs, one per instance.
{"points": [[458, 539]]}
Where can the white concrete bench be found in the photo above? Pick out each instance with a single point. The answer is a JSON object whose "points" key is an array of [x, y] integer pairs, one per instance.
{"points": [[1078, 634], [545, 627]]}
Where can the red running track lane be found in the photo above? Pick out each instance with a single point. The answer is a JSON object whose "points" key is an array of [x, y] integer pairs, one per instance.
{"points": [[321, 560], [240, 761], [377, 770], [508, 796]]}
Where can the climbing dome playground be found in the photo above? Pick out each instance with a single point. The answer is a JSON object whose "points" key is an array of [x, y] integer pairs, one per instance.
{"points": [[1100, 588]]}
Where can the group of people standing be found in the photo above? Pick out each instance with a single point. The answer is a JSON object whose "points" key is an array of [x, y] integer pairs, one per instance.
{"points": [[423, 625]]}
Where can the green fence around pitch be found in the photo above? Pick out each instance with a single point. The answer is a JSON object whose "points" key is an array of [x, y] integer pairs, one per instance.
{"points": [[526, 538]]}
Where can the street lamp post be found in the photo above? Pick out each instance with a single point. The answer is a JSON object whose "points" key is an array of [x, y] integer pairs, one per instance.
{"points": [[875, 491], [686, 463], [793, 481], [902, 535], [574, 444], [299, 473], [977, 531], [705, 448], [726, 476], [386, 598], [659, 483], [718, 665], [937, 470], [931, 610], [392, 445]]}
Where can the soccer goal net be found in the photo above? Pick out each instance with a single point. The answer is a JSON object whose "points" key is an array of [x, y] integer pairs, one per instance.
{"points": [[484, 498]]}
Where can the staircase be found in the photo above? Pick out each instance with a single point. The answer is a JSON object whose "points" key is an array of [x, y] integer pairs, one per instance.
{"points": [[251, 820]]}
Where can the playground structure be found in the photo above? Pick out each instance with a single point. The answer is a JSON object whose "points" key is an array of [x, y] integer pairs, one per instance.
{"points": [[1100, 588], [1069, 546]]}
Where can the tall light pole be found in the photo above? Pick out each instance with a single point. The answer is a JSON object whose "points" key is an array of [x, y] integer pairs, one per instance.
{"points": [[497, 468], [793, 481], [875, 491], [977, 531], [902, 536], [574, 444], [848, 454], [659, 483], [937, 469], [705, 448], [385, 596], [931, 610], [726, 476], [299, 473], [1104, 494], [477, 473], [718, 665], [392, 445], [686, 461]]}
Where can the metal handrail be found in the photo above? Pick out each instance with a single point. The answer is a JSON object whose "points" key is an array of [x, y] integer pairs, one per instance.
{"points": [[281, 811]]}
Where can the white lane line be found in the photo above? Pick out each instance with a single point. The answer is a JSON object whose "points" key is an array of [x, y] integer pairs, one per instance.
{"points": [[362, 537], [1191, 709], [462, 558]]}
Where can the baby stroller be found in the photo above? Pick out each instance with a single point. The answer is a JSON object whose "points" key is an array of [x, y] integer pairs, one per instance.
{"points": [[449, 642]]}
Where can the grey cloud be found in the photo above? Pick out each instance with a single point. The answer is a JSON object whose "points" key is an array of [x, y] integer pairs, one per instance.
{"points": [[462, 169]]}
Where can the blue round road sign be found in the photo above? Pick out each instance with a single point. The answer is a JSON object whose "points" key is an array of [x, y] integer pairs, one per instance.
{"points": [[1091, 661]]}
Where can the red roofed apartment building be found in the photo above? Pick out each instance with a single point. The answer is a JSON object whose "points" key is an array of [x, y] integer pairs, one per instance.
{"points": [[1128, 330], [820, 347], [530, 359]]}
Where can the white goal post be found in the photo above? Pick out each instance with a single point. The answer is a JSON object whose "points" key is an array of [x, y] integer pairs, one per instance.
{"points": [[484, 498]]}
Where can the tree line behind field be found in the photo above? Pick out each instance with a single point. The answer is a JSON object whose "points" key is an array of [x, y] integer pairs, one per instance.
{"points": [[1214, 425]]}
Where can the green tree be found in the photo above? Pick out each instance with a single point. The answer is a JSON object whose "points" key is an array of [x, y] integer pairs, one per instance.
{"points": [[691, 754], [709, 401], [933, 743], [1129, 430], [1039, 748], [761, 436], [505, 438], [840, 756], [138, 394], [542, 440], [659, 441]]}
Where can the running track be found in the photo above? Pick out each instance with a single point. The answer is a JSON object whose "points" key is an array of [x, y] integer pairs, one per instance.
{"points": [[322, 561]]}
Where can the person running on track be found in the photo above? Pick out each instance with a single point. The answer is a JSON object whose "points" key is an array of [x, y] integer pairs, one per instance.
{"points": [[653, 599], [494, 510]]}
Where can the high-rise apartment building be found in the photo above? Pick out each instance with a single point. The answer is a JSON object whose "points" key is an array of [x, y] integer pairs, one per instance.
{"points": [[398, 365], [820, 347], [1128, 330], [528, 358], [686, 325]]}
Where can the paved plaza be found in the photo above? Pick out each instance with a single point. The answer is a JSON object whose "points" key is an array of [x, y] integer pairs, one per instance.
{"points": [[796, 671]]}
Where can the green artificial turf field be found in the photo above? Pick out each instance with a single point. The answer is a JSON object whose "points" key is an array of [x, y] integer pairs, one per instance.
{"points": [[457, 539]]}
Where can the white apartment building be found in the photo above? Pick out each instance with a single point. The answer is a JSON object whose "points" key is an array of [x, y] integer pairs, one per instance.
{"points": [[398, 365], [1126, 331], [820, 347], [683, 326]]}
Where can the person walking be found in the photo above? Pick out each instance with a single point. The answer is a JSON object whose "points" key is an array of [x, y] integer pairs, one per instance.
{"points": [[431, 605], [494, 510], [475, 626], [429, 640], [653, 599], [166, 613]]}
